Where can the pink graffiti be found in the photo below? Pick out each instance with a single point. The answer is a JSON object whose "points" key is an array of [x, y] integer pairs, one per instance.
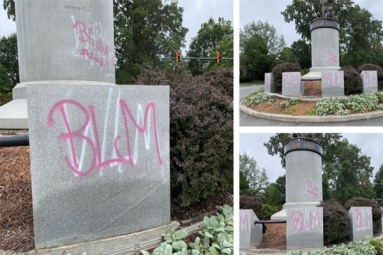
{"points": [[312, 189], [332, 56], [91, 44], [333, 79], [89, 116], [369, 79], [290, 80], [243, 223], [362, 220], [306, 221]]}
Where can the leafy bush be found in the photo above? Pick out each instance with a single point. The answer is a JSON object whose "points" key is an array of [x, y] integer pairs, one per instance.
{"points": [[217, 237], [281, 68], [378, 245], [246, 78], [201, 133], [6, 85], [284, 104], [269, 210], [252, 202], [305, 71], [352, 83], [354, 248], [258, 97], [376, 211], [221, 78], [372, 67], [335, 222]]}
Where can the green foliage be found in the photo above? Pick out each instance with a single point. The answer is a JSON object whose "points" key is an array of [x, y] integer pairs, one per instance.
{"points": [[246, 78], [281, 68], [144, 30], [354, 248], [352, 83], [287, 56], [294, 101], [260, 46], [252, 202], [379, 69], [377, 243], [376, 211], [284, 104], [5, 83], [302, 52], [273, 195], [215, 238], [257, 179], [378, 184], [345, 105], [201, 133], [335, 222], [8, 57], [258, 97], [212, 37], [269, 210], [291, 110]]}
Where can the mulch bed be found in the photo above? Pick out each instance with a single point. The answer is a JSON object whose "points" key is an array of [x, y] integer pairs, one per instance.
{"points": [[16, 214], [275, 237], [313, 88]]}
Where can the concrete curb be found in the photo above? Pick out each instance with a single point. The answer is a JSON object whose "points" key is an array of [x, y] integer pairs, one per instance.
{"points": [[315, 119]]}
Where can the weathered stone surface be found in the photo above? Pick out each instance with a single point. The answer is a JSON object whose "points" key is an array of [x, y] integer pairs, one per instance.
{"points": [[369, 81], [99, 161], [292, 84], [269, 83], [304, 227], [361, 226], [332, 83], [250, 234], [65, 40]]}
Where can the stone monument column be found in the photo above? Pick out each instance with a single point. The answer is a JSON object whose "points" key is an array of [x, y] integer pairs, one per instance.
{"points": [[60, 42], [303, 174]]}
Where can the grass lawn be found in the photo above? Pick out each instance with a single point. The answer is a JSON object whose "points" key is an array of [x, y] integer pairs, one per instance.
{"points": [[251, 83]]}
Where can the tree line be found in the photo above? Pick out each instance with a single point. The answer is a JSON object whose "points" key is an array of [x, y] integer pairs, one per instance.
{"points": [[261, 47]]}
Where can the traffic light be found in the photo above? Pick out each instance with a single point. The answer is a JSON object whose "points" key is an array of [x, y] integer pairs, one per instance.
{"points": [[219, 57], [178, 57], [376, 47], [365, 183]]}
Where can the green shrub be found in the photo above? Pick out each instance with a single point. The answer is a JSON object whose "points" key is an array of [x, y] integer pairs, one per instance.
{"points": [[352, 83], [352, 248], [305, 71], [246, 78], [269, 210], [252, 202], [201, 133], [284, 104], [378, 245], [380, 96], [6, 85], [257, 98], [335, 222], [376, 211], [220, 78], [281, 68], [372, 67]]}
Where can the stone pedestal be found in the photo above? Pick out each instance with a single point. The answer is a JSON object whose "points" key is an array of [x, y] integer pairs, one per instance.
{"points": [[250, 234], [369, 81], [332, 83], [60, 41], [269, 83], [292, 84], [99, 160], [361, 226], [324, 48]]}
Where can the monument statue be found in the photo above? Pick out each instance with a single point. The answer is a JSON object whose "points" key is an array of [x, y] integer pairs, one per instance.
{"points": [[327, 10]]}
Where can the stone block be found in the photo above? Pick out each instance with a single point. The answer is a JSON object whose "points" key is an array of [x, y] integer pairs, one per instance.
{"points": [[99, 161], [304, 227], [369, 81], [270, 86], [361, 225], [332, 83], [250, 234], [292, 84]]}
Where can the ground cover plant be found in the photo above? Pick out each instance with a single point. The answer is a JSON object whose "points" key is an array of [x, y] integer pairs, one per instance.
{"points": [[344, 105]]}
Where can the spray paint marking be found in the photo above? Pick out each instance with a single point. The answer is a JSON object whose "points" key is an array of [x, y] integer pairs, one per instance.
{"points": [[306, 221]]}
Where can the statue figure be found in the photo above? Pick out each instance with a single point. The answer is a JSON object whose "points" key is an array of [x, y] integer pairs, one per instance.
{"points": [[327, 11]]}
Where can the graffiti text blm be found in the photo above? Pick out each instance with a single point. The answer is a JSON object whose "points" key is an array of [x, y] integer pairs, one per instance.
{"points": [[88, 121]]}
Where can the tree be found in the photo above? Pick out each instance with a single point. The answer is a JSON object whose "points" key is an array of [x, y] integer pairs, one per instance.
{"points": [[260, 46], [272, 195], [359, 30], [281, 186], [5, 82], [145, 30], [302, 52], [257, 179], [9, 6], [345, 167], [8, 57], [378, 184], [212, 37], [287, 56]]}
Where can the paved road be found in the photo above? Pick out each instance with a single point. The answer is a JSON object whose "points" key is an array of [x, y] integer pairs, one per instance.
{"points": [[247, 120]]}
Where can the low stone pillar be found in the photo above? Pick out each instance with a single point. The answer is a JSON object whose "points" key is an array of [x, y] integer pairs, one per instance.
{"points": [[270, 86], [332, 83], [250, 234], [361, 226], [304, 227], [369, 81], [292, 84]]}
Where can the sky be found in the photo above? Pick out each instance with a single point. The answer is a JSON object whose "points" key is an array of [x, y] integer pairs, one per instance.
{"points": [[195, 13], [370, 144], [270, 11]]}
